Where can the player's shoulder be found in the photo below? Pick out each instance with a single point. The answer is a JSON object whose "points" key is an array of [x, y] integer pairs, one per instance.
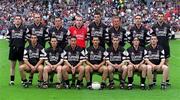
{"points": [[101, 48], [130, 48], [109, 49], [148, 47], [39, 46], [159, 47], [64, 29], [141, 48]]}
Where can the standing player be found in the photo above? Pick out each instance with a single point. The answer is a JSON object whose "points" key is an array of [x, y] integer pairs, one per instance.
{"points": [[117, 30], [136, 62], [138, 30], [73, 59], [34, 56], [59, 32], [16, 35], [162, 30], [115, 61], [95, 62], [156, 62], [79, 31], [39, 29], [99, 29], [53, 63]]}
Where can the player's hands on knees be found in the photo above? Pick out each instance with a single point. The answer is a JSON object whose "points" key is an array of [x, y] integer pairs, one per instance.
{"points": [[96, 67], [136, 66], [73, 69], [53, 67], [33, 69], [116, 66]]}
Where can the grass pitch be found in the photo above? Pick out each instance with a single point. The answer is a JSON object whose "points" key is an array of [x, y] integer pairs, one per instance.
{"points": [[17, 92]]}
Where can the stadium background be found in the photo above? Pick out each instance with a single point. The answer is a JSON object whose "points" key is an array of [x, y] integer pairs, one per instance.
{"points": [[17, 92]]}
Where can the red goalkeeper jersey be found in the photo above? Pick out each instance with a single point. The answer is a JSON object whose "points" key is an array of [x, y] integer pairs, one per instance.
{"points": [[80, 33]]}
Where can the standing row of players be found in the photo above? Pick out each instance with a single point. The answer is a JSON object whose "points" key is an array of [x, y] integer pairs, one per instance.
{"points": [[17, 35]]}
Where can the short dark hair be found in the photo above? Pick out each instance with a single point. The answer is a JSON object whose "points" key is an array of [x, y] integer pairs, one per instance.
{"points": [[136, 37], [97, 13], [160, 13], [95, 37], [73, 37], [116, 17], [115, 36], [57, 17], [138, 15], [53, 37], [33, 34]]}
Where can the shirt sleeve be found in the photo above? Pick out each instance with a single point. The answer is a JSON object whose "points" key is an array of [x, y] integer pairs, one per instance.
{"points": [[25, 56], [43, 54]]}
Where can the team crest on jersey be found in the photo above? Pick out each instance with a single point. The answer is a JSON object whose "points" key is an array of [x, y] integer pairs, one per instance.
{"points": [[69, 53], [75, 32], [101, 29], [91, 52], [142, 31], [134, 32], [165, 29], [33, 29], [41, 29], [53, 34], [157, 29], [92, 28], [13, 31]]}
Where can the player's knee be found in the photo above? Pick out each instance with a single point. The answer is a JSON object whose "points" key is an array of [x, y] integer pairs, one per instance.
{"points": [[164, 67], [144, 67], [87, 69], [125, 68], [110, 69], [46, 69], [149, 68], [59, 69], [81, 68], [105, 70], [21, 67], [40, 68], [130, 68], [64, 68]]}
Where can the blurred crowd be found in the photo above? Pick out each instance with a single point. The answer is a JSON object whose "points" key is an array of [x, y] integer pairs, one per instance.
{"points": [[67, 9]]}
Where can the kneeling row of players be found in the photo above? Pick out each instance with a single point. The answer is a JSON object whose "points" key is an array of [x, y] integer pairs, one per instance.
{"points": [[94, 59]]}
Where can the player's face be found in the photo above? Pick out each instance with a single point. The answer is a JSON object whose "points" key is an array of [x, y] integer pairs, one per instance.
{"points": [[160, 17], [54, 42], [116, 22], [138, 20], [79, 21], [17, 20], [73, 41], [58, 22], [33, 39], [97, 18], [154, 40], [37, 18], [95, 41], [136, 42], [115, 41]]}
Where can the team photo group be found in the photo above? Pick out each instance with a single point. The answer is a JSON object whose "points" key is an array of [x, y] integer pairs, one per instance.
{"points": [[73, 55]]}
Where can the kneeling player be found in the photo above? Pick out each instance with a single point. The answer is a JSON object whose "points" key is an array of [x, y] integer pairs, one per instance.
{"points": [[116, 55], [136, 62], [95, 62], [156, 62], [34, 56], [53, 63], [73, 59]]}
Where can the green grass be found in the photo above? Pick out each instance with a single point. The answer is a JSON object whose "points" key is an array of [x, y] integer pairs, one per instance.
{"points": [[17, 92]]}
